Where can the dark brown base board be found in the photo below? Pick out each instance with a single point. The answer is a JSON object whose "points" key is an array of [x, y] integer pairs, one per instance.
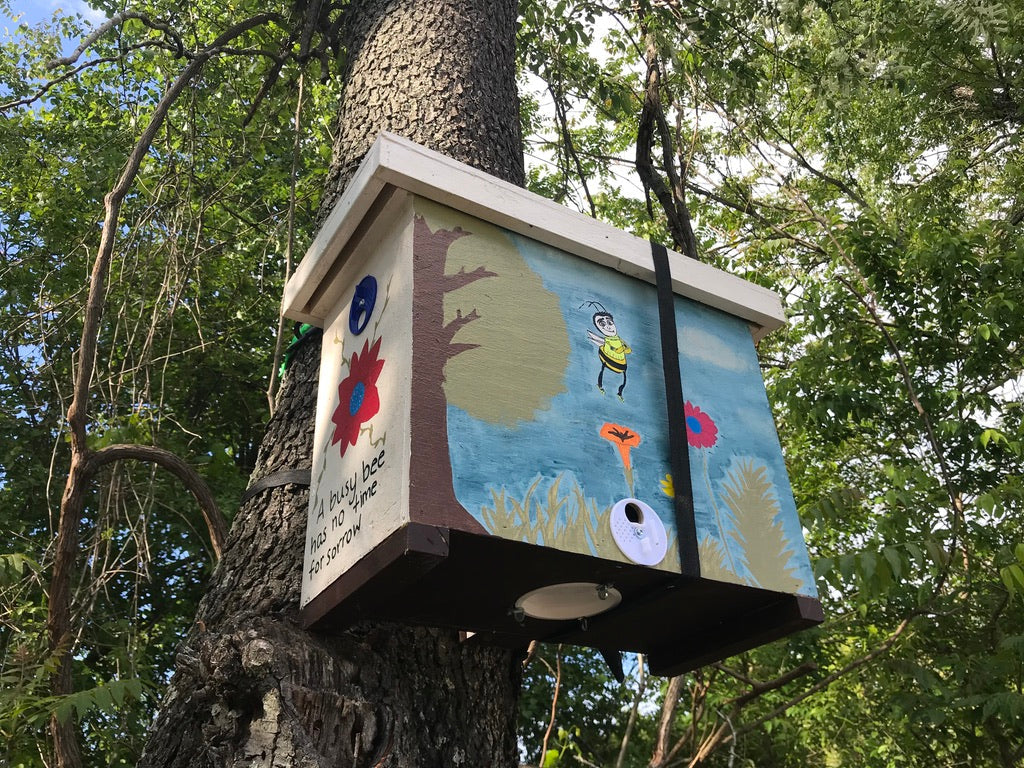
{"points": [[433, 576]]}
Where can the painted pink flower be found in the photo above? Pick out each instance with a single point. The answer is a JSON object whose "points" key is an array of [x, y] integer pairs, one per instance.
{"points": [[701, 431], [358, 398]]}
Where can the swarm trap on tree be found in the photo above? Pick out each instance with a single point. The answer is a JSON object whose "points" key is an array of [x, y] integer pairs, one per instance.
{"points": [[494, 442]]}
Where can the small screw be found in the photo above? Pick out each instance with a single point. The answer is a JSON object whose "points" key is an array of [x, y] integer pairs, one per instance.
{"points": [[519, 615], [602, 591]]}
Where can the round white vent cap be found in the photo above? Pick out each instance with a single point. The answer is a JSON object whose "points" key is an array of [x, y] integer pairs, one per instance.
{"points": [[571, 600]]}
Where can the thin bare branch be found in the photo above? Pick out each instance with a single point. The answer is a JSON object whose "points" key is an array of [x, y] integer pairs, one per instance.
{"points": [[289, 246], [49, 85], [668, 711], [641, 686], [193, 482], [112, 203], [758, 689], [80, 472], [554, 704], [826, 681], [570, 147], [115, 21]]}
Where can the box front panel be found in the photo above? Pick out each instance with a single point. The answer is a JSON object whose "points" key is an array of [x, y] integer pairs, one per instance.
{"points": [[359, 488], [556, 416]]}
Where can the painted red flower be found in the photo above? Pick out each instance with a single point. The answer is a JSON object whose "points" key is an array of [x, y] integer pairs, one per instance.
{"points": [[358, 398], [701, 431]]}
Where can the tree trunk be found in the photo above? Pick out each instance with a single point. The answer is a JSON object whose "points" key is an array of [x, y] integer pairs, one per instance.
{"points": [[430, 466], [439, 72], [250, 686]]}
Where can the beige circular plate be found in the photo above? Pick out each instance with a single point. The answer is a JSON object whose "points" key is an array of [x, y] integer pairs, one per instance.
{"points": [[572, 600]]}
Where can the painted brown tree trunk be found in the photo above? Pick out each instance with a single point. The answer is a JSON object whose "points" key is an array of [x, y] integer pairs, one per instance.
{"points": [[433, 346], [250, 686]]}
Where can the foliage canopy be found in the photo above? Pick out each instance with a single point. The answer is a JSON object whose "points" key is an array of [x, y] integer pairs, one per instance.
{"points": [[863, 159]]}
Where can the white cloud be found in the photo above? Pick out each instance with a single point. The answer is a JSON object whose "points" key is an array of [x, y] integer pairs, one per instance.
{"points": [[90, 14], [695, 342]]}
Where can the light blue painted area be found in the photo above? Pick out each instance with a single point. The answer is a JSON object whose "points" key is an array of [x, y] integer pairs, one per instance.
{"points": [[720, 375]]}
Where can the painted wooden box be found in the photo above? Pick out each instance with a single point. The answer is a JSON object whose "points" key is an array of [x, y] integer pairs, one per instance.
{"points": [[492, 441]]}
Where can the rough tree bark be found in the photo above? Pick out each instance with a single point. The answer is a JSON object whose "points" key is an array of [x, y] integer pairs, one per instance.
{"points": [[250, 686]]}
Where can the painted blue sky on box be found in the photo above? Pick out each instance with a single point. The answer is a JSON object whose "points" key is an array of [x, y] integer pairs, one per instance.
{"points": [[555, 479]]}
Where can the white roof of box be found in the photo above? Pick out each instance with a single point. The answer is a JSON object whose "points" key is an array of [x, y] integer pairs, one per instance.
{"points": [[396, 162]]}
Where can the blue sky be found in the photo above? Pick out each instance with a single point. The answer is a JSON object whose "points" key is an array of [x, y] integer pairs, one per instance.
{"points": [[34, 11]]}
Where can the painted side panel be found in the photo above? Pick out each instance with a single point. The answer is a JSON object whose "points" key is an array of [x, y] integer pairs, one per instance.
{"points": [[359, 491], [557, 423]]}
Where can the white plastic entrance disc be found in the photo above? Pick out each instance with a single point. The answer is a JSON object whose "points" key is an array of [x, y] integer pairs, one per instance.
{"points": [[639, 532], [571, 600]]}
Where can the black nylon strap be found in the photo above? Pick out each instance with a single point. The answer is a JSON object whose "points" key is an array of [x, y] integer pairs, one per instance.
{"points": [[276, 479], [679, 453]]}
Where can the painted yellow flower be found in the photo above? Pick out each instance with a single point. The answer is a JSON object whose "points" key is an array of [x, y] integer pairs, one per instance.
{"points": [[668, 487]]}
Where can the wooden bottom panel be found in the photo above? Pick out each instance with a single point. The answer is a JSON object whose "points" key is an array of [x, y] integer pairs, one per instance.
{"points": [[440, 577]]}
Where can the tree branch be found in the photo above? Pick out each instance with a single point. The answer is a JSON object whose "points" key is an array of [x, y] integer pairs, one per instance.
{"points": [[747, 208], [759, 689], [65, 740], [114, 21], [866, 299], [452, 328], [563, 124], [668, 711], [794, 154], [651, 117], [641, 686], [826, 681], [289, 247], [452, 282], [112, 204], [49, 84], [554, 705], [215, 523]]}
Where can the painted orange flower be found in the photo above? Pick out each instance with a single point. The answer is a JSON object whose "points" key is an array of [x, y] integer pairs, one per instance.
{"points": [[624, 439], [701, 431], [358, 398]]}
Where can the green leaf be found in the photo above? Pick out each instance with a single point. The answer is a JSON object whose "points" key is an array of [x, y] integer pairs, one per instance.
{"points": [[1013, 578], [936, 551], [892, 556], [1007, 704], [823, 567]]}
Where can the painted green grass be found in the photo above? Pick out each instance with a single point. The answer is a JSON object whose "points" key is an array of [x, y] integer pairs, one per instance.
{"points": [[750, 496], [712, 561], [568, 521]]}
